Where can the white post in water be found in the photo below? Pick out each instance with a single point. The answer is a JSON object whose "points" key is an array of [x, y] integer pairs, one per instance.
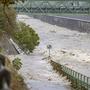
{"points": [[49, 48]]}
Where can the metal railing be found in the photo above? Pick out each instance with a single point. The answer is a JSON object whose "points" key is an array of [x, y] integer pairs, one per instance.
{"points": [[78, 80], [52, 6]]}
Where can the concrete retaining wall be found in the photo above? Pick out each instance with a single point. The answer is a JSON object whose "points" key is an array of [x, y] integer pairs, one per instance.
{"points": [[71, 23]]}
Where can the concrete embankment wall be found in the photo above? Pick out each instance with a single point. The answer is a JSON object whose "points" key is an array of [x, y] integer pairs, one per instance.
{"points": [[70, 23]]}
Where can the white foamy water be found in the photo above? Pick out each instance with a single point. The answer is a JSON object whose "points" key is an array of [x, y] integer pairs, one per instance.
{"points": [[70, 48]]}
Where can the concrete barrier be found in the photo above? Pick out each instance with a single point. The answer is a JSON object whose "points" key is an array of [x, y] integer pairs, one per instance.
{"points": [[70, 23]]}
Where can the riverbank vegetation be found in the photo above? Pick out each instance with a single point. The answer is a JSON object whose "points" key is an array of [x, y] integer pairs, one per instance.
{"points": [[17, 82], [24, 36]]}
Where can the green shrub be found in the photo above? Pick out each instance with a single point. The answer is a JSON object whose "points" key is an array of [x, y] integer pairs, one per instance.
{"points": [[27, 38], [1, 49], [17, 63]]}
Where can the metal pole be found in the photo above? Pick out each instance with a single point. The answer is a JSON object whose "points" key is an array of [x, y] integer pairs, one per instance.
{"points": [[49, 52], [49, 47]]}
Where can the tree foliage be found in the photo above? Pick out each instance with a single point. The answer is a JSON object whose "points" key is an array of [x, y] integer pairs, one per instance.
{"points": [[17, 64], [7, 16], [7, 20], [27, 37], [8, 2]]}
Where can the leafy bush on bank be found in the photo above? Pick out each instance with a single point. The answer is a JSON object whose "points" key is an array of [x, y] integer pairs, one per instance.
{"points": [[17, 81], [27, 38], [17, 64]]}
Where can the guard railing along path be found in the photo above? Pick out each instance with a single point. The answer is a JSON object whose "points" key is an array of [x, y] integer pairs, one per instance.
{"points": [[78, 80]]}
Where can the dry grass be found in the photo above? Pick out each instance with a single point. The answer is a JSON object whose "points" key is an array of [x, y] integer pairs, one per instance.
{"points": [[17, 82]]}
